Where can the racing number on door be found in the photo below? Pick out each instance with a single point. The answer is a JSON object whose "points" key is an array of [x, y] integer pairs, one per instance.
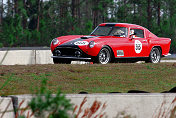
{"points": [[138, 46]]}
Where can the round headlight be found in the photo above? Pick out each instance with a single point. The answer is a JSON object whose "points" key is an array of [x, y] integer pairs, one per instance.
{"points": [[91, 44], [55, 41]]}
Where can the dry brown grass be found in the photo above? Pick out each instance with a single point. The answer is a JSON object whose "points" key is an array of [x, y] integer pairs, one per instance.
{"points": [[165, 111], [96, 110]]}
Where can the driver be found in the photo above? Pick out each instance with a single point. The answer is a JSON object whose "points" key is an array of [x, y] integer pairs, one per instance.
{"points": [[132, 33], [119, 33]]}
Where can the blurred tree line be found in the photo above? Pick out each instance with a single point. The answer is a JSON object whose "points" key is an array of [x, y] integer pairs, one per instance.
{"points": [[37, 22]]}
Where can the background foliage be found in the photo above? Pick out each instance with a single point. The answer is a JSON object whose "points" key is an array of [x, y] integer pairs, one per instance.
{"points": [[37, 22], [51, 106]]}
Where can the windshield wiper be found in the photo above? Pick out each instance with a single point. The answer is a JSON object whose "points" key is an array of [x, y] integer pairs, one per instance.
{"points": [[93, 34], [97, 35]]}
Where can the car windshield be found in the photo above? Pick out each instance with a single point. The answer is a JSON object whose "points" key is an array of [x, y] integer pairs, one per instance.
{"points": [[110, 31]]}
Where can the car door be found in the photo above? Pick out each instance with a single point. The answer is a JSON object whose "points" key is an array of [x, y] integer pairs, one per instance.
{"points": [[119, 42], [138, 44]]}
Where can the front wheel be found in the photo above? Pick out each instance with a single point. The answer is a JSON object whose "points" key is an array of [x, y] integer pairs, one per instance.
{"points": [[61, 61], [155, 56], [104, 56]]}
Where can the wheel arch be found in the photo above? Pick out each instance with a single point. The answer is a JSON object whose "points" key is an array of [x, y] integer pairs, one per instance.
{"points": [[159, 47], [154, 58], [111, 58], [112, 52]]}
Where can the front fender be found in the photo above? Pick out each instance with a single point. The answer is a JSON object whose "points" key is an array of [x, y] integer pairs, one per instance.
{"points": [[92, 51]]}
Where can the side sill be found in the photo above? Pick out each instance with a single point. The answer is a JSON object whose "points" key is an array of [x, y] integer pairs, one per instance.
{"points": [[131, 57]]}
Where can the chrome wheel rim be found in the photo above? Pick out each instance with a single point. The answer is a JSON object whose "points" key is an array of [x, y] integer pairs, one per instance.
{"points": [[104, 56], [155, 55]]}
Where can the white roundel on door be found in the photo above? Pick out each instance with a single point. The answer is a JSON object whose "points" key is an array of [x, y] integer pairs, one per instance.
{"points": [[138, 46]]}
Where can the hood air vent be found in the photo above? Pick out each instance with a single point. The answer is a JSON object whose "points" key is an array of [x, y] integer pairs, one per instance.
{"points": [[87, 37]]}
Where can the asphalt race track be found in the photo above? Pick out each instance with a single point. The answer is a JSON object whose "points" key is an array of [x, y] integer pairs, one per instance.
{"points": [[41, 55]]}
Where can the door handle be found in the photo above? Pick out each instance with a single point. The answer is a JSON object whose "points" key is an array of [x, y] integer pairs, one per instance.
{"points": [[145, 40]]}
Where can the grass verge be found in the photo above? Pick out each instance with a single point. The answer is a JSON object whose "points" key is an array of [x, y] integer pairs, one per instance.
{"points": [[90, 78]]}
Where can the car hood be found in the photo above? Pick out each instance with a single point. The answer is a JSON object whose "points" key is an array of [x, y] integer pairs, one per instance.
{"points": [[83, 40], [75, 40]]}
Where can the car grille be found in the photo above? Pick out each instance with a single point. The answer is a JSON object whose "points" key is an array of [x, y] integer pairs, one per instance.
{"points": [[69, 52]]}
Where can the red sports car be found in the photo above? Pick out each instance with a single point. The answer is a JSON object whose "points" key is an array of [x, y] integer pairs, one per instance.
{"points": [[110, 42]]}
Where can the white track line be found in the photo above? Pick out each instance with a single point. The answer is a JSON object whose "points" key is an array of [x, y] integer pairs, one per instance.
{"points": [[168, 61]]}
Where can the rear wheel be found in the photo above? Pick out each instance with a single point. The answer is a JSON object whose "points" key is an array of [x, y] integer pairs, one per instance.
{"points": [[61, 61], [155, 56], [104, 56]]}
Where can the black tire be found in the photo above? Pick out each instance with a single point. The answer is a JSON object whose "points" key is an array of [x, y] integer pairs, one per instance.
{"points": [[155, 55], [61, 61], [104, 56]]}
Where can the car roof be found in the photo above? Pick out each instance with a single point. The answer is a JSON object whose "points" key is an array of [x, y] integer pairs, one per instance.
{"points": [[121, 25]]}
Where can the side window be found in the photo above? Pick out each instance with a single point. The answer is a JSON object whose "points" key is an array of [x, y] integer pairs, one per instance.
{"points": [[138, 33]]}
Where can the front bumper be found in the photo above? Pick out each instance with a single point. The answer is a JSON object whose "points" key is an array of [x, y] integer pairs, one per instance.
{"points": [[70, 53], [167, 55], [71, 58]]}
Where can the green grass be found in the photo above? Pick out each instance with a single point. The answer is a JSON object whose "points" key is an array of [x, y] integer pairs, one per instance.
{"points": [[90, 78]]}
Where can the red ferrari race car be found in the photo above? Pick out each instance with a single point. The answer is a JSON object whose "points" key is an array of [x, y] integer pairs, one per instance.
{"points": [[110, 42]]}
